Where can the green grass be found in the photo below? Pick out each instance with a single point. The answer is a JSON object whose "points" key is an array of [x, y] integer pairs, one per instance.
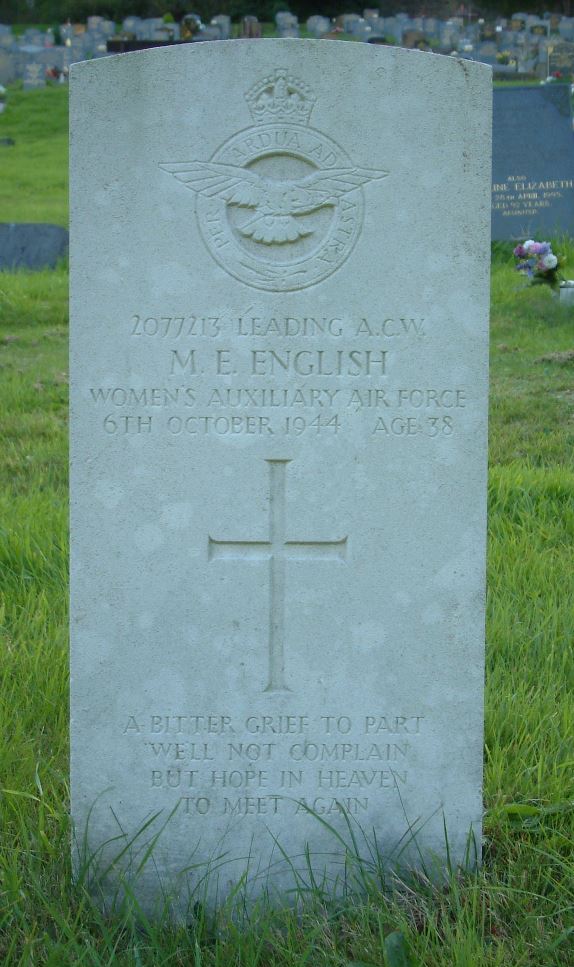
{"points": [[518, 911], [34, 172]]}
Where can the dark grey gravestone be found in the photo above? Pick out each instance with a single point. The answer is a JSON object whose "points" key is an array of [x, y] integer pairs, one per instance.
{"points": [[561, 59], [566, 28], [8, 66], [532, 162], [31, 246]]}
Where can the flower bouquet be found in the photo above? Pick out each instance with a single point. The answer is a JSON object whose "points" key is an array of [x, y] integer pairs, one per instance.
{"points": [[537, 261]]}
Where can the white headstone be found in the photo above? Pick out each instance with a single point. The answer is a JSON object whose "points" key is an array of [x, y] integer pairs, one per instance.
{"points": [[34, 76], [279, 407]]}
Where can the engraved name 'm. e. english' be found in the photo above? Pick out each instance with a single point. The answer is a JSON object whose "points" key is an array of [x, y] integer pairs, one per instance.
{"points": [[280, 205]]}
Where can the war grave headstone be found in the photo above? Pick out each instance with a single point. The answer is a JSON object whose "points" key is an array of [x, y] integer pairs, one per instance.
{"points": [[278, 463], [532, 162], [34, 75]]}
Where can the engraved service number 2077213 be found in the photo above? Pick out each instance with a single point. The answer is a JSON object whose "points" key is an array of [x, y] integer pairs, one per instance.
{"points": [[175, 327]]}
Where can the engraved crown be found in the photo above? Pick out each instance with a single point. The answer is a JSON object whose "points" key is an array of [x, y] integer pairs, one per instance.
{"points": [[280, 97]]}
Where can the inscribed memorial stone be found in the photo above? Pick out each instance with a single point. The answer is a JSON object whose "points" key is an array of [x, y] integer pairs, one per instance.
{"points": [[532, 162], [279, 392]]}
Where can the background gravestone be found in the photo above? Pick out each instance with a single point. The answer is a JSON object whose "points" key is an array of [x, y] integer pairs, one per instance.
{"points": [[278, 457], [561, 59], [532, 162], [8, 66], [34, 75], [31, 246]]}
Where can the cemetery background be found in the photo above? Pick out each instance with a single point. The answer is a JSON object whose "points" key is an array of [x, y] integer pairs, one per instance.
{"points": [[519, 908], [523, 46]]}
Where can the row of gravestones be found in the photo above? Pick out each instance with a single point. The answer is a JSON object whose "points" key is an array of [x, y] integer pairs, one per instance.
{"points": [[34, 56], [444, 33], [525, 44]]}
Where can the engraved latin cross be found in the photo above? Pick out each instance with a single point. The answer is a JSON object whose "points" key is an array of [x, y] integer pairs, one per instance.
{"points": [[277, 550]]}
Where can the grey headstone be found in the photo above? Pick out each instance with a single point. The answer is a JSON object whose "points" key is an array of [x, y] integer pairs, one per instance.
{"points": [[449, 34], [9, 61], [250, 28], [561, 58], [348, 20], [31, 246], [212, 32], [539, 28], [566, 29], [131, 24], [318, 26], [286, 30], [278, 528], [223, 21], [108, 28], [285, 19], [34, 75]]}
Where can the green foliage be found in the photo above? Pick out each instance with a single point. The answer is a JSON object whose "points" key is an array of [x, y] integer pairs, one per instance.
{"points": [[34, 178], [518, 911]]}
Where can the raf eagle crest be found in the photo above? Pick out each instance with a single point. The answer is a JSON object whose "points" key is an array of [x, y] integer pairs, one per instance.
{"points": [[279, 206]]}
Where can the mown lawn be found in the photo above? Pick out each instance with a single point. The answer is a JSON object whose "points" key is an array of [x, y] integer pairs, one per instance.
{"points": [[519, 909]]}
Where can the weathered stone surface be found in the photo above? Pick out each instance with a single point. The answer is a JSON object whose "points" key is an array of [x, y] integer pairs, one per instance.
{"points": [[279, 344], [29, 245]]}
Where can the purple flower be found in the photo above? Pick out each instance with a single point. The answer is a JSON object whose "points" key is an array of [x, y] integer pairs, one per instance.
{"points": [[519, 252]]}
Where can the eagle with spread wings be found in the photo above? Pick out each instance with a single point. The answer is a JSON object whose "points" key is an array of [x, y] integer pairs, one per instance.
{"points": [[277, 205]]}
